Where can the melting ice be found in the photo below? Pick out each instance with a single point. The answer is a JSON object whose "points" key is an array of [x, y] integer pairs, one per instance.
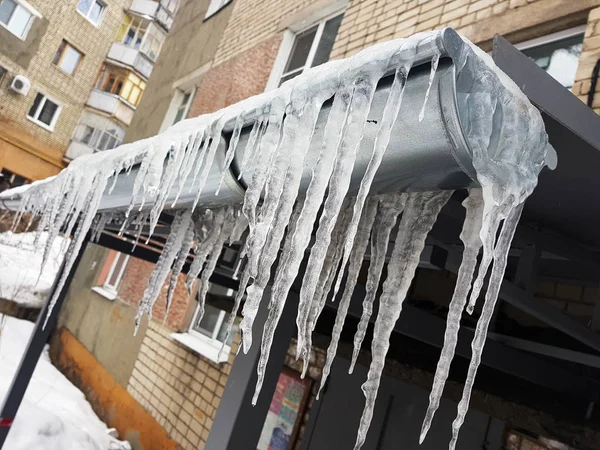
{"points": [[286, 218]]}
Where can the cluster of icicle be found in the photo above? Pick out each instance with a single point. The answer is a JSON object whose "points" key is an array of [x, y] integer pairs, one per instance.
{"points": [[281, 218]]}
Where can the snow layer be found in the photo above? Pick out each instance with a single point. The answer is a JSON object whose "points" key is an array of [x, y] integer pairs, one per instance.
{"points": [[22, 279], [54, 414], [508, 147]]}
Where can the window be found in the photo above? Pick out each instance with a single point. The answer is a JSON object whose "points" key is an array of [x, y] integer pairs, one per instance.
{"points": [[152, 42], [309, 48], [184, 105], [3, 72], [215, 6], [92, 10], [121, 82], [213, 324], [44, 112], [98, 132], [133, 89], [170, 5], [67, 58], [16, 18], [558, 54], [11, 180], [111, 274], [132, 30]]}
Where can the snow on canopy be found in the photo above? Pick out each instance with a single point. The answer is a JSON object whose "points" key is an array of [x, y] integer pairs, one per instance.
{"points": [[508, 146]]}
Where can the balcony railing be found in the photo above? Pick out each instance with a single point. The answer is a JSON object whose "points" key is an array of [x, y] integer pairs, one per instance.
{"points": [[131, 57], [77, 149], [111, 104], [157, 10]]}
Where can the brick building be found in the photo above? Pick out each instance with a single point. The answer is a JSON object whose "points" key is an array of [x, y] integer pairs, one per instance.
{"points": [[51, 94], [242, 48]]}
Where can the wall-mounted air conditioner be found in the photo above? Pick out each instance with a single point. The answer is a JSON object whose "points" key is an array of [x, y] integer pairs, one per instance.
{"points": [[20, 84]]}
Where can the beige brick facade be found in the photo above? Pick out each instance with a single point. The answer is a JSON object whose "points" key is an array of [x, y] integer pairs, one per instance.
{"points": [[368, 22], [589, 57], [254, 21], [65, 22], [180, 389]]}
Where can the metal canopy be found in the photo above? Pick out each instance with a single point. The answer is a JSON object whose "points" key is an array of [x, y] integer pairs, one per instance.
{"points": [[561, 218]]}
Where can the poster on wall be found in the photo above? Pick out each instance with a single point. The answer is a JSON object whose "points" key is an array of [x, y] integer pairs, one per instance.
{"points": [[285, 413]]}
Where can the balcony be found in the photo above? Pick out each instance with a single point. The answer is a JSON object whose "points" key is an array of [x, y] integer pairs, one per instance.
{"points": [[163, 11], [111, 104], [77, 149], [131, 57]]}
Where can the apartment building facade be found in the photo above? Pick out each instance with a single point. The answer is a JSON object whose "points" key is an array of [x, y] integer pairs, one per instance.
{"points": [[57, 61], [220, 52]]}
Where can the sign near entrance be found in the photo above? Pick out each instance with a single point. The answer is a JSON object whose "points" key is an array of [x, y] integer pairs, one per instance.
{"points": [[285, 413]]}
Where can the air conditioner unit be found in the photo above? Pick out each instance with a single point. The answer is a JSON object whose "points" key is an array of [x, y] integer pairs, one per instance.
{"points": [[20, 85]]}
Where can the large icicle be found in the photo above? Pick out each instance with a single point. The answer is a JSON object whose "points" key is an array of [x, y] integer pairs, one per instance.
{"points": [[214, 223], [356, 259], [472, 244], [364, 89], [331, 264], [179, 228], [500, 259], [180, 259], [382, 140], [215, 253], [419, 216], [390, 207], [281, 190]]}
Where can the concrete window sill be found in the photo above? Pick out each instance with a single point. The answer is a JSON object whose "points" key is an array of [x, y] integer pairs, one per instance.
{"points": [[104, 292], [204, 346]]}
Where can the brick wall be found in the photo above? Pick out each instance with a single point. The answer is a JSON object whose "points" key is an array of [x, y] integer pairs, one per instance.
{"points": [[254, 21], [64, 23], [180, 389], [589, 56], [368, 22], [134, 283]]}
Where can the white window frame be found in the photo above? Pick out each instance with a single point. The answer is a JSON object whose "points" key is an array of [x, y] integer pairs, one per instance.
{"points": [[186, 84], [35, 120], [549, 38], [86, 16], [207, 346], [110, 291], [287, 45], [215, 6], [31, 10]]}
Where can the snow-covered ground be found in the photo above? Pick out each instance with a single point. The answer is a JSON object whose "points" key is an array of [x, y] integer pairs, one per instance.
{"points": [[20, 265], [54, 414]]}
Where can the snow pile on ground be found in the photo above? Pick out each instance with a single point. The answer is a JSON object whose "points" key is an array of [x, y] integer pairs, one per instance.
{"points": [[20, 265], [54, 414]]}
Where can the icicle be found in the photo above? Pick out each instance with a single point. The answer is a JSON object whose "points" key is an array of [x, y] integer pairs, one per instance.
{"points": [[382, 140], [331, 264], [215, 254], [210, 157], [390, 208], [241, 225], [204, 248], [501, 251], [94, 195], [356, 260], [364, 88], [434, 65], [418, 219], [253, 145], [191, 152], [472, 244], [233, 142], [289, 266], [180, 259], [281, 193], [172, 247]]}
